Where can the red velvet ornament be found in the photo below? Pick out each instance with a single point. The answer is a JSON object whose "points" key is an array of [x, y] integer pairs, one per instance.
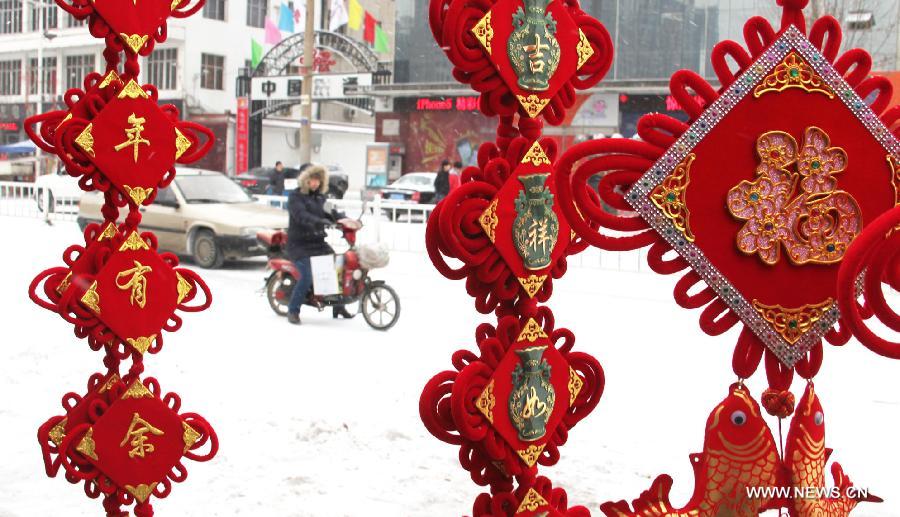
{"points": [[536, 499], [760, 195], [133, 27], [131, 144], [805, 457], [491, 224], [119, 291], [518, 399], [739, 452], [475, 36], [132, 447]]}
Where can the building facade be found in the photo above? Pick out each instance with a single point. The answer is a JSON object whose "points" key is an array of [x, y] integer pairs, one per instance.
{"points": [[652, 38], [196, 69]]}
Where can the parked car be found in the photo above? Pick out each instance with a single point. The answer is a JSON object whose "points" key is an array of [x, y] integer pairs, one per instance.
{"points": [[257, 180], [411, 188], [57, 192], [203, 214]]}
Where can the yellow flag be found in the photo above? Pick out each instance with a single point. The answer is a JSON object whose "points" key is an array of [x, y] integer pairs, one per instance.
{"points": [[356, 14]]}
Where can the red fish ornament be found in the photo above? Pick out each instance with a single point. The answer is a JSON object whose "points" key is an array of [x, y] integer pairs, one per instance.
{"points": [[805, 457], [739, 452]]}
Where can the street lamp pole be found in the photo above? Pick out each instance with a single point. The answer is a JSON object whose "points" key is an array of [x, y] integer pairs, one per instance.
{"points": [[40, 78], [309, 50]]}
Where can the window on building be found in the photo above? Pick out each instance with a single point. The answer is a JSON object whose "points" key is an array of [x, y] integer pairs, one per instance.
{"points": [[256, 12], [47, 11], [49, 76], [11, 77], [214, 9], [162, 68], [77, 67], [10, 16], [212, 72], [71, 21]]}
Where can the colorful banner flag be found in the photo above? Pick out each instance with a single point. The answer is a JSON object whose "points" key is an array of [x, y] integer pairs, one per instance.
{"points": [[273, 35], [286, 18], [369, 31], [381, 40], [256, 52], [338, 15], [356, 15]]}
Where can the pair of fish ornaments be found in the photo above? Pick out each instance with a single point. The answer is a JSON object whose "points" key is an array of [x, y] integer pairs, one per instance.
{"points": [[739, 452]]}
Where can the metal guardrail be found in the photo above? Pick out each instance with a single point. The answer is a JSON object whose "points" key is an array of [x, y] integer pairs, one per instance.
{"points": [[398, 226], [29, 200]]}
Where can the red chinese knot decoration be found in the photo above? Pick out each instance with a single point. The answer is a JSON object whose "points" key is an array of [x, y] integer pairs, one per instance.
{"points": [[124, 439], [510, 406]]}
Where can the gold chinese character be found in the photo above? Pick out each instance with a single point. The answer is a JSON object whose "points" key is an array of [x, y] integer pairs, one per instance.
{"points": [[137, 283], [536, 54], [134, 135], [532, 403], [538, 235], [137, 439]]}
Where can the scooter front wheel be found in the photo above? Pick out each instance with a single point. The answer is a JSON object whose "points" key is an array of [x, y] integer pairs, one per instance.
{"points": [[380, 306], [279, 287]]}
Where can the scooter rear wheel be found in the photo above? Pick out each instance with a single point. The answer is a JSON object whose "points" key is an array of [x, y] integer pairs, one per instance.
{"points": [[380, 306], [283, 284]]}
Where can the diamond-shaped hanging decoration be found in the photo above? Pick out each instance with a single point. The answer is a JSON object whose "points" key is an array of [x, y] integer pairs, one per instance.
{"points": [[765, 192], [524, 222], [135, 22]]}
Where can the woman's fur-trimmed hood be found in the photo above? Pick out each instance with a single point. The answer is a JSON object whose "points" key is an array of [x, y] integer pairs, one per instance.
{"points": [[313, 171]]}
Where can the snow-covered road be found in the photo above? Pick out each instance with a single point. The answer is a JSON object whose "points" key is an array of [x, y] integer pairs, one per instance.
{"points": [[322, 420]]}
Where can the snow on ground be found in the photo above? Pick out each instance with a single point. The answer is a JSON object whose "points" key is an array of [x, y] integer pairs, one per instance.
{"points": [[322, 420]]}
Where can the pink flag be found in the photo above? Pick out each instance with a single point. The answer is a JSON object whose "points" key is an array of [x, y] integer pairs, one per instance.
{"points": [[273, 35]]}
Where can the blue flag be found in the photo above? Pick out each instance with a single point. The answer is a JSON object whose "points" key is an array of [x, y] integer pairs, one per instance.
{"points": [[286, 18]]}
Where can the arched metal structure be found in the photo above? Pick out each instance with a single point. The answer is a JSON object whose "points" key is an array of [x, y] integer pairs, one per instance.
{"points": [[289, 51]]}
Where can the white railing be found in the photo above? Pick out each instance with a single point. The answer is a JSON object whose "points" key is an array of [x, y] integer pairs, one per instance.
{"points": [[28, 200]]}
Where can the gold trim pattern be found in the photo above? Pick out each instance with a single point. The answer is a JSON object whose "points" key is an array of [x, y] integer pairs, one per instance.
{"points": [[190, 436], [531, 502], [174, 4], [91, 299], [484, 32], [531, 454], [141, 492], [137, 390], [536, 155], [58, 433], [134, 243], [138, 194], [135, 41], [86, 140], [110, 77], [532, 284], [793, 72], [184, 287], [133, 90], [489, 220], [669, 197], [109, 383], [141, 344], [108, 233], [895, 177], [182, 144], [68, 118], [66, 282], [87, 446], [531, 332], [486, 402], [793, 323], [585, 50], [533, 104], [575, 385]]}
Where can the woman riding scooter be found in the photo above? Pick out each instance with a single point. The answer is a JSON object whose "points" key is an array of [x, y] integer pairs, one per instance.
{"points": [[306, 234]]}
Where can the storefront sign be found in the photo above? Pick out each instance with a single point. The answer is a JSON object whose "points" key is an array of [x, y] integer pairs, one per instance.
{"points": [[242, 136], [469, 103]]}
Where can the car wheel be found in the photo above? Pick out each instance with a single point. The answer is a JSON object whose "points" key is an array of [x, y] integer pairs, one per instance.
{"points": [[206, 250]]}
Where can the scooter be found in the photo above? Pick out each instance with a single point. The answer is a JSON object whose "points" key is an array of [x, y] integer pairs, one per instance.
{"points": [[378, 302]]}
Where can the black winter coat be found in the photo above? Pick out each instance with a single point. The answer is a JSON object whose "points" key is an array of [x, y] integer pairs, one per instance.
{"points": [[306, 231], [442, 184]]}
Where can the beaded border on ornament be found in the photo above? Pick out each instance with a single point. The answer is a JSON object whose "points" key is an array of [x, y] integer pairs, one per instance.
{"points": [[638, 195]]}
